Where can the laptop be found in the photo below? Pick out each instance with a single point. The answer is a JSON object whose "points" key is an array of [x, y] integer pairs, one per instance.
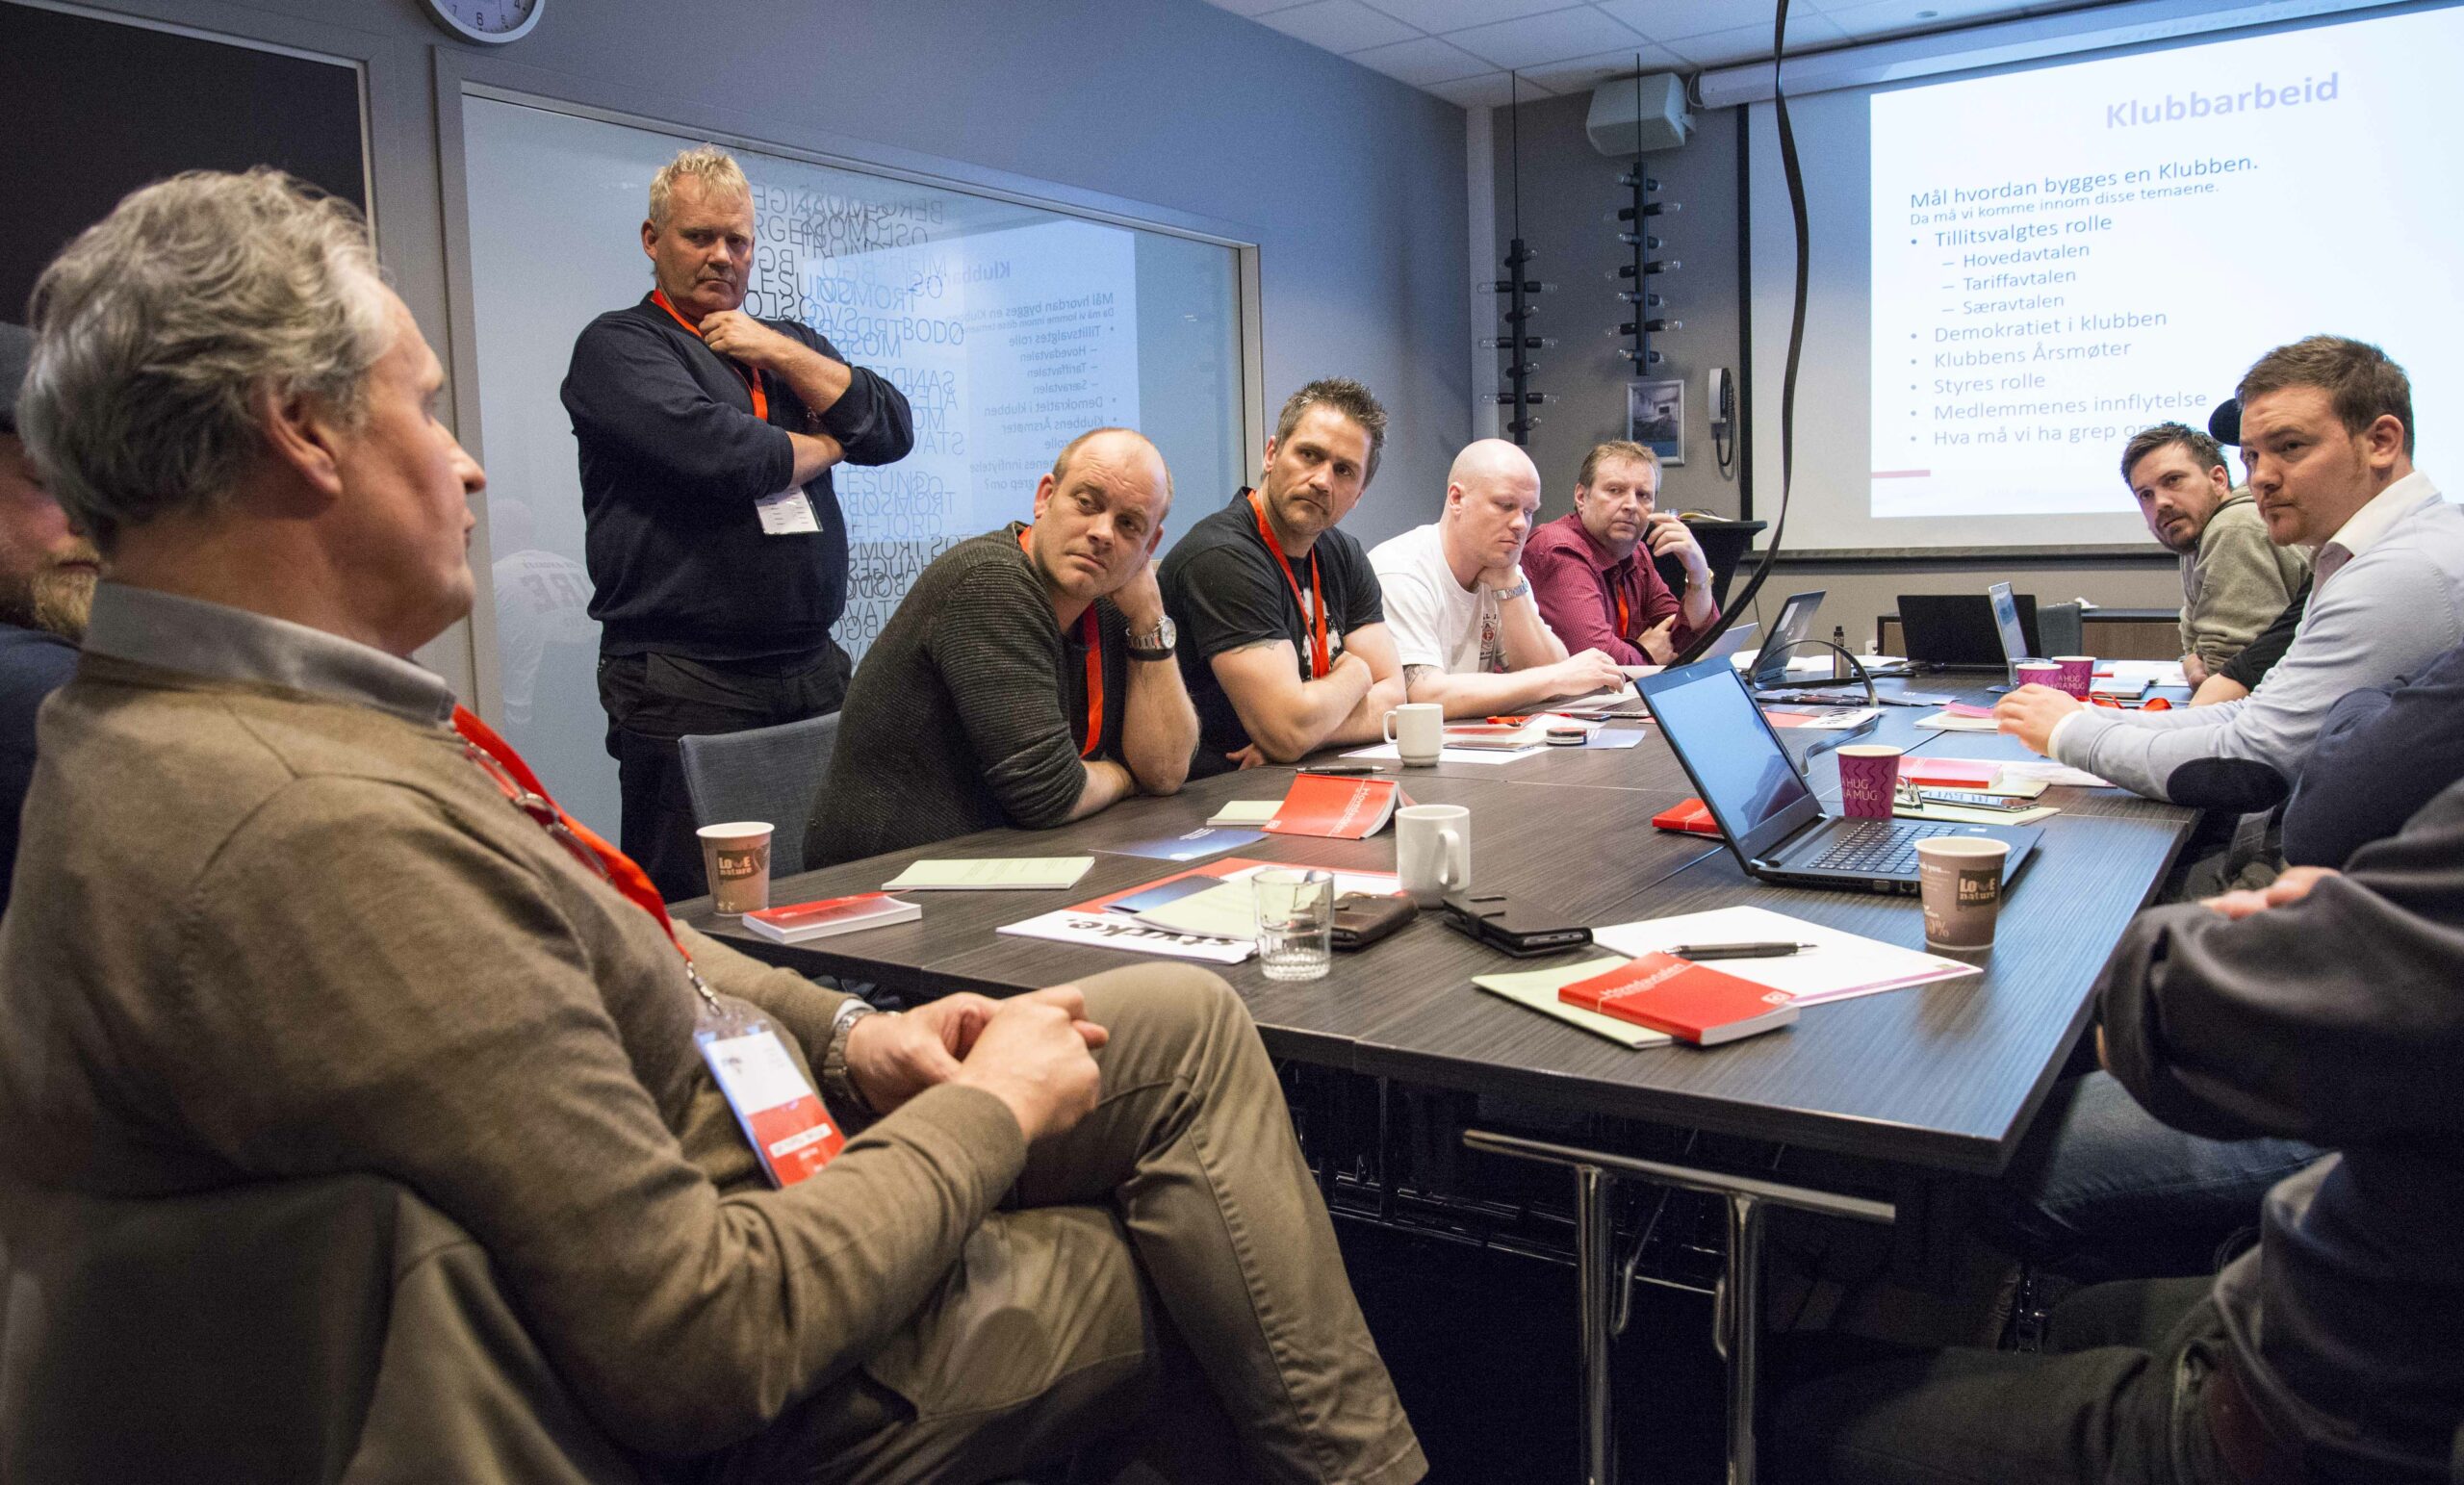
{"points": [[2014, 637], [1771, 819], [1793, 627], [1958, 630], [1732, 640]]}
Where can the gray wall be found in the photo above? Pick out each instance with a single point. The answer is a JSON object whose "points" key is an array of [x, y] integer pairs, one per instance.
{"points": [[1567, 188], [1349, 181]]}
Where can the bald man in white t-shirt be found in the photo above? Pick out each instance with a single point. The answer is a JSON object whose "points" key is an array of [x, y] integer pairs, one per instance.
{"points": [[1466, 629]]}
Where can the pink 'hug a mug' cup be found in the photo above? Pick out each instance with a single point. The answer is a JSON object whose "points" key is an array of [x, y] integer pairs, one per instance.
{"points": [[2038, 672], [1868, 781], [2077, 672]]}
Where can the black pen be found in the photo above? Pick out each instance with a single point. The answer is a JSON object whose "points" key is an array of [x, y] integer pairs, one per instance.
{"points": [[1340, 770], [1738, 951]]}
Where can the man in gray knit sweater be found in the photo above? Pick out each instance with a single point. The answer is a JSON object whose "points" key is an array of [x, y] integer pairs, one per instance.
{"points": [[300, 923], [2235, 579], [1027, 678]]}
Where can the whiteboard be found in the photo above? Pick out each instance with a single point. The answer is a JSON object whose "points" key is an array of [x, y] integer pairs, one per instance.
{"points": [[1010, 327]]}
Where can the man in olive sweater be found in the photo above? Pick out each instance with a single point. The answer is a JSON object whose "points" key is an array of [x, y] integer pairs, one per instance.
{"points": [[300, 929], [1026, 679]]}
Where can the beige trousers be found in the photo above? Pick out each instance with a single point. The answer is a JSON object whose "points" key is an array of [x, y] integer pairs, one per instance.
{"points": [[1163, 1295]]}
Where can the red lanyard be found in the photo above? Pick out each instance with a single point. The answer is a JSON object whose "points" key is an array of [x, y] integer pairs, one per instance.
{"points": [[1318, 665], [1093, 636], [1620, 590], [495, 757], [752, 377]]}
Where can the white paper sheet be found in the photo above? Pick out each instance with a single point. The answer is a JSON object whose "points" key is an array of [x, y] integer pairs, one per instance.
{"points": [[1841, 965]]}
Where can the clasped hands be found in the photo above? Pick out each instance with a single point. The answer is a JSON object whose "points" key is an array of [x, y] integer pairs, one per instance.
{"points": [[1033, 1051]]}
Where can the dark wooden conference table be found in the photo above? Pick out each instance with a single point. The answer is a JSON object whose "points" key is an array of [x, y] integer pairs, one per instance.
{"points": [[1935, 1081]]}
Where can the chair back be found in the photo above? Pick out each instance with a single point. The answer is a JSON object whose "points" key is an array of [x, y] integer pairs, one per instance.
{"points": [[768, 773], [2061, 626]]}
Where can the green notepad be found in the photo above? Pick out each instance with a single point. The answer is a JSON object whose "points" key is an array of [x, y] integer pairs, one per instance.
{"points": [[1538, 988], [1245, 812], [1015, 873], [1226, 912]]}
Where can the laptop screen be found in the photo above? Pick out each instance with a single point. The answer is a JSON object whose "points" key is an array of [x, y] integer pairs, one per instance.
{"points": [[1727, 748], [2006, 618], [1795, 621]]}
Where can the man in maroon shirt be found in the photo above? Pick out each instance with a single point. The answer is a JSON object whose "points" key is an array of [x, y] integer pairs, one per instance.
{"points": [[1592, 571]]}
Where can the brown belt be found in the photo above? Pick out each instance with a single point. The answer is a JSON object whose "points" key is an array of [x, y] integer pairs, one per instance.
{"points": [[2251, 1449]]}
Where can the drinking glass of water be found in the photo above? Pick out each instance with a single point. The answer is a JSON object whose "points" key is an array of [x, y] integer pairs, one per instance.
{"points": [[1295, 921]]}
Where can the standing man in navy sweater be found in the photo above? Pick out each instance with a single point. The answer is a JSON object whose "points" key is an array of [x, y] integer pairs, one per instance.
{"points": [[717, 553], [47, 575]]}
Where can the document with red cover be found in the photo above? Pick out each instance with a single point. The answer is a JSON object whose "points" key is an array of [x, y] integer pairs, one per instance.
{"points": [[1689, 1001], [797, 922], [1949, 773], [1337, 807], [1692, 818]]}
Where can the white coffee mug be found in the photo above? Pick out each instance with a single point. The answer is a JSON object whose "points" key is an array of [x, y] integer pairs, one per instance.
{"points": [[1417, 730], [1433, 851]]}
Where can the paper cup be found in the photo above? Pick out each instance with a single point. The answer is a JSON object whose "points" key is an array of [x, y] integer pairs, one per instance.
{"points": [[2077, 672], [1868, 781], [1959, 878], [2038, 672], [736, 857]]}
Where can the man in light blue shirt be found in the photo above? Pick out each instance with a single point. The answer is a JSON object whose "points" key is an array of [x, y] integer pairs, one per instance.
{"points": [[2099, 1186], [2328, 437]]}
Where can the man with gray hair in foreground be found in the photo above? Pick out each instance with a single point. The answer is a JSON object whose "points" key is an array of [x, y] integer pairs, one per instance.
{"points": [[307, 919]]}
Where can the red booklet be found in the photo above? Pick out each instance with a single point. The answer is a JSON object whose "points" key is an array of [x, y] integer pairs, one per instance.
{"points": [[1689, 1001], [1949, 773], [1339, 808], [1693, 818], [797, 922]]}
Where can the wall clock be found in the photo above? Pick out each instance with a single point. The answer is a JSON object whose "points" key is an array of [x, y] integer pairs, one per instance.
{"points": [[491, 21]]}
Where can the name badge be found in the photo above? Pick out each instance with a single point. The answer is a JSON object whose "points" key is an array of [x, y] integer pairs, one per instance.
{"points": [[790, 1131], [788, 513]]}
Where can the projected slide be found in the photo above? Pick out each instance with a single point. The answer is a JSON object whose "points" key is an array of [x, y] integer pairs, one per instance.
{"points": [[2064, 256]]}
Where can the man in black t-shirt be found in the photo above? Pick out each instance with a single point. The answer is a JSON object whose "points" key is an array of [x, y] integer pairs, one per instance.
{"points": [[1026, 679], [717, 553], [1283, 638]]}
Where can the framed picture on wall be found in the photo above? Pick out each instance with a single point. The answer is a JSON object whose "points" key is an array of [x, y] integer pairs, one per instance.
{"points": [[1655, 417]]}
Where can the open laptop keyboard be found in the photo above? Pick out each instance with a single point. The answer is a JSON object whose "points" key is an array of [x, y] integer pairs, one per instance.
{"points": [[1881, 848]]}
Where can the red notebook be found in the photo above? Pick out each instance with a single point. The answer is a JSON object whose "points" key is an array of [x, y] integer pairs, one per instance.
{"points": [[1693, 818], [1338, 807], [1689, 1001]]}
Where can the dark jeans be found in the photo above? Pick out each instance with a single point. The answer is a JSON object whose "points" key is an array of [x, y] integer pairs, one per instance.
{"points": [[653, 700], [2119, 1401], [2100, 1189]]}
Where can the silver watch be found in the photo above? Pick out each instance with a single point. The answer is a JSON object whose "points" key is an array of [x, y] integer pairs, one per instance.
{"points": [[1155, 644], [838, 1089]]}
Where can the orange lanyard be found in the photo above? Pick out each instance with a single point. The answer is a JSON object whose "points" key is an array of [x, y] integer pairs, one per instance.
{"points": [[496, 758], [1093, 635], [1619, 591], [752, 377], [1318, 665]]}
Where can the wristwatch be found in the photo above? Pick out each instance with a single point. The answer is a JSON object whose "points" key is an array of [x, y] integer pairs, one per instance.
{"points": [[1155, 644], [838, 1089]]}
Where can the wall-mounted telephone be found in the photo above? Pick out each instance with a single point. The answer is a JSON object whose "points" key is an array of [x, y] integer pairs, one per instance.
{"points": [[1720, 400]]}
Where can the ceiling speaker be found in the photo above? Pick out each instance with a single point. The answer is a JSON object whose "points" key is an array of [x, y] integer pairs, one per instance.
{"points": [[1631, 120]]}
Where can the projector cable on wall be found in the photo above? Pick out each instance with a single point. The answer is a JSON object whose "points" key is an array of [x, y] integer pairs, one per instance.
{"points": [[1795, 177]]}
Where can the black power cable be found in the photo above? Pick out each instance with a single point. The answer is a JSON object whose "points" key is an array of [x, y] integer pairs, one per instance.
{"points": [[1796, 180]]}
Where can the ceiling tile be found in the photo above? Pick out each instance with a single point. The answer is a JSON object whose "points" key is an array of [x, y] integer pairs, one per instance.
{"points": [[1421, 63], [1584, 73], [1488, 90], [1341, 26], [1662, 20], [1722, 48], [1439, 15], [1877, 17], [1557, 36], [1253, 8]]}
